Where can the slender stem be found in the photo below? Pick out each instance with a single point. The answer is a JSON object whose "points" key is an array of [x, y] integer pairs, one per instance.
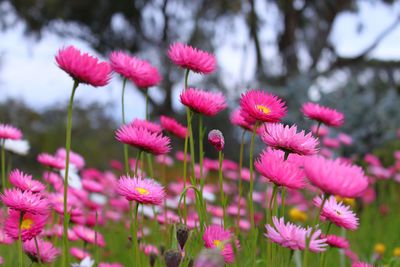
{"points": [[137, 162], [221, 187], [147, 103], [240, 182], [269, 221], [150, 165], [323, 256], [96, 245], [134, 225], [21, 216], [67, 148], [3, 164], [185, 157], [283, 195], [318, 126], [201, 155], [126, 154], [164, 178], [38, 251]]}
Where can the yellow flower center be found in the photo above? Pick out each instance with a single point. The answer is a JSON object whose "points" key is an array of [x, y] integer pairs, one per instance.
{"points": [[26, 224], [142, 191], [379, 248], [218, 244], [263, 109], [297, 215]]}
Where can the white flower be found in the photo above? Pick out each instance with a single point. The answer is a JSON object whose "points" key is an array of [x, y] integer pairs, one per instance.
{"points": [[19, 147], [74, 179], [98, 198], [86, 262]]}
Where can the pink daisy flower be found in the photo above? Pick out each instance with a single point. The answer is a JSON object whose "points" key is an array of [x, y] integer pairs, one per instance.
{"points": [[286, 138], [337, 213], [92, 186], [24, 182], [272, 166], [148, 125], [171, 125], [144, 191], [203, 102], [47, 252], [78, 253], [336, 241], [215, 237], [25, 201], [5, 239], [10, 132], [105, 264], [191, 58], [31, 225], [325, 115], [74, 158], [237, 119], [258, 105], [143, 139], [83, 67], [51, 161], [89, 235], [216, 139], [335, 177], [293, 236], [361, 264]]}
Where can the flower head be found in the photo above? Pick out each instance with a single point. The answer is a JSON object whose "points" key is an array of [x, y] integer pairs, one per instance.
{"points": [[258, 105], [337, 241], [337, 213], [293, 236], [361, 264], [237, 119], [286, 138], [51, 161], [171, 125], [89, 235], [148, 125], [31, 225], [335, 177], [272, 166], [215, 237], [25, 201], [144, 191], [74, 158], [78, 253], [209, 258], [325, 115], [216, 139], [10, 132], [191, 58], [143, 139], [47, 252], [203, 102], [83, 67], [25, 182]]}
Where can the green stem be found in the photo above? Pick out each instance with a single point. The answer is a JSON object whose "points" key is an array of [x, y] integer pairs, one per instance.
{"points": [[38, 251], [137, 162], [150, 165], [67, 148], [283, 195], [240, 182], [134, 225], [185, 157], [201, 155], [126, 154], [21, 216], [3, 164], [318, 126], [323, 256], [221, 188], [147, 103], [96, 246]]}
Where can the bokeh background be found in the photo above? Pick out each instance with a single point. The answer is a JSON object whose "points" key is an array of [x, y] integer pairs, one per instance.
{"points": [[341, 53]]}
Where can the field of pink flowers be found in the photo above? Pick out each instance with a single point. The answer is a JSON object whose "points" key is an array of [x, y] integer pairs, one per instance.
{"points": [[297, 203]]}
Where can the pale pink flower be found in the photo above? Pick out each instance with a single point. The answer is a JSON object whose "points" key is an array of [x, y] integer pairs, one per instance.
{"points": [[144, 191], [25, 182], [47, 252], [51, 161], [203, 102], [74, 158], [89, 235], [172, 126], [325, 115], [345, 139], [215, 237], [78, 253], [361, 264], [237, 119], [10, 132]]}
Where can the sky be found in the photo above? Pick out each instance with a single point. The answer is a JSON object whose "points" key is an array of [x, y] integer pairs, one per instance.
{"points": [[28, 70]]}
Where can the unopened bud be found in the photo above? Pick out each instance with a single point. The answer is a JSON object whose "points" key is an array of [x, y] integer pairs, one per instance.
{"points": [[172, 258], [216, 138], [182, 234]]}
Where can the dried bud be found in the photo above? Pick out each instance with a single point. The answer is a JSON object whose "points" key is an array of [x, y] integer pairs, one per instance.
{"points": [[172, 258], [182, 234], [209, 258], [216, 138], [152, 259]]}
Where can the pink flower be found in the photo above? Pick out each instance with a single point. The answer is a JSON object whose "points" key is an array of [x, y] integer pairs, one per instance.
{"points": [[10, 132], [92, 186], [78, 253], [203, 102], [215, 237], [143, 139], [105, 264], [149, 249], [24, 182], [148, 125], [140, 72], [83, 67], [335, 177], [25, 201], [331, 142], [325, 115], [361, 264], [237, 119], [286, 138], [89, 235], [272, 166], [293, 236], [51, 161], [258, 105], [216, 139], [345, 139], [47, 252], [171, 125], [191, 58], [337, 213], [4, 238], [31, 226], [336, 241], [74, 158], [144, 191]]}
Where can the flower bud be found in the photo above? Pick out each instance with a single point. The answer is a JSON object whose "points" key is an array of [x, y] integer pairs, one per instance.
{"points": [[216, 138], [182, 234], [172, 258]]}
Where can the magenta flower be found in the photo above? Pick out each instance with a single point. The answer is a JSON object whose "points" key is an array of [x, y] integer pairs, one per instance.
{"points": [[258, 105], [78, 253], [216, 139], [337, 213], [25, 182], [215, 237], [272, 166], [191, 58], [25, 201], [47, 252], [83, 67], [171, 125], [237, 119], [325, 115], [335, 177], [89, 235], [144, 191], [143, 139], [10, 132], [361, 264], [148, 125], [51, 161], [286, 138], [203, 102], [74, 158], [105, 264], [4, 238], [336, 241], [92, 186], [293, 236], [31, 225]]}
